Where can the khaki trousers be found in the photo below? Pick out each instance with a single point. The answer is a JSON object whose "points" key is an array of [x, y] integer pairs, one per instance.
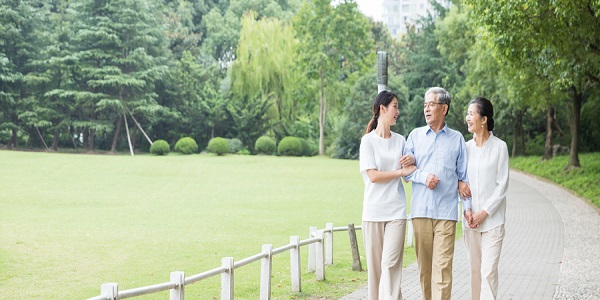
{"points": [[434, 246], [484, 253], [384, 247]]}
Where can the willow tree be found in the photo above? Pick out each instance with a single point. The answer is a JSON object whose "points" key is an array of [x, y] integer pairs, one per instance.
{"points": [[264, 65], [335, 42]]}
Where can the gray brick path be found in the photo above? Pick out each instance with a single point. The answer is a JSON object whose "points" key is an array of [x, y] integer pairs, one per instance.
{"points": [[533, 250]]}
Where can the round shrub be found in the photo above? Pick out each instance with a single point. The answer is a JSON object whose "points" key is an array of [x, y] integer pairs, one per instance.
{"points": [[218, 145], [235, 145], [160, 147], [265, 145], [309, 147], [290, 146], [186, 145]]}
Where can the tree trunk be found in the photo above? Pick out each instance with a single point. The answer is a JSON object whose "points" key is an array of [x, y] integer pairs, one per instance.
{"points": [[515, 138], [55, 140], [523, 147], [322, 115], [92, 140], [86, 138], [13, 143], [113, 148], [549, 122], [574, 122]]}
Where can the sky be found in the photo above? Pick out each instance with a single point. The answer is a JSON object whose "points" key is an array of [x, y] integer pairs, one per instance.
{"points": [[371, 8]]}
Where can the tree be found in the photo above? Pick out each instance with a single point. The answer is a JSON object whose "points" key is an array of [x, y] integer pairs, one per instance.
{"points": [[264, 65], [558, 36], [335, 42], [21, 25], [121, 54], [424, 67], [515, 91]]}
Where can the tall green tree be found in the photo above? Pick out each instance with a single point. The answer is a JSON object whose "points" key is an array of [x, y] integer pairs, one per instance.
{"points": [[264, 65], [335, 43], [515, 92], [121, 54], [423, 66], [52, 103], [21, 27], [560, 37]]}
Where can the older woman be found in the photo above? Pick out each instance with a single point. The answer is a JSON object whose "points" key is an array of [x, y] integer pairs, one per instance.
{"points": [[487, 171]]}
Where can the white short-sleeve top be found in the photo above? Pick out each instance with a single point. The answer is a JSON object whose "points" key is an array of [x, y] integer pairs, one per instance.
{"points": [[384, 201]]}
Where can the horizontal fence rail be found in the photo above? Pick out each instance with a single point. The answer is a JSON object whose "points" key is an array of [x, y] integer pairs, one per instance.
{"points": [[320, 254], [320, 242]]}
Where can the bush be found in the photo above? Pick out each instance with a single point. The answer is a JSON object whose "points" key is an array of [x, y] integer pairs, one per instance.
{"points": [[160, 147], [218, 145], [309, 147], [290, 146], [265, 145], [186, 145], [235, 145], [244, 151]]}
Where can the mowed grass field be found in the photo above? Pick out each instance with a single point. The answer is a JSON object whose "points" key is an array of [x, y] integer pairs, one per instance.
{"points": [[70, 222]]}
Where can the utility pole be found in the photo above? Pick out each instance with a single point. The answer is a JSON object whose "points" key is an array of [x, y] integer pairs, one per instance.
{"points": [[382, 73]]}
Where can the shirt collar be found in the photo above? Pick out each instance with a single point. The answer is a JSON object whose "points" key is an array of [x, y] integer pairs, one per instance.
{"points": [[444, 129]]}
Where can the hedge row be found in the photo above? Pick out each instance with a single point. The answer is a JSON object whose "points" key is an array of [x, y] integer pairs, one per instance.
{"points": [[288, 146]]}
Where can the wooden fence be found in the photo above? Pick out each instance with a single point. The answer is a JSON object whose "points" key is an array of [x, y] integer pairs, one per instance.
{"points": [[320, 254]]}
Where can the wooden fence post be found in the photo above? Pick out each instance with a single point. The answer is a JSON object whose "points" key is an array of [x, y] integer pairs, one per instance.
{"points": [[311, 250], [266, 267], [329, 244], [319, 255], [356, 264], [109, 290], [295, 264], [227, 279], [177, 292]]}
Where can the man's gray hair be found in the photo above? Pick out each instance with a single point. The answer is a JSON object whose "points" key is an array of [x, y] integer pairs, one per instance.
{"points": [[441, 96]]}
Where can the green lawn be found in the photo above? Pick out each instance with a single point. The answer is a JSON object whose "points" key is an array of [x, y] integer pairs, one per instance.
{"points": [[585, 181], [70, 222]]}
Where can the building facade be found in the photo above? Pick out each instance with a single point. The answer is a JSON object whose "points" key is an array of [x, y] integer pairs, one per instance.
{"points": [[398, 15]]}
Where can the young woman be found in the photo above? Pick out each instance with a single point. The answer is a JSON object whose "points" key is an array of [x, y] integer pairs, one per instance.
{"points": [[384, 204], [483, 227]]}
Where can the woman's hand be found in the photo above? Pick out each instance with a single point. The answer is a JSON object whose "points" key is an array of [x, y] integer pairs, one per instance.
{"points": [[405, 171], [478, 218], [407, 160]]}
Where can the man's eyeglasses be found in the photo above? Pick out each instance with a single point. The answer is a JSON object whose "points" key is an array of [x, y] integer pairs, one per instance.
{"points": [[430, 104]]}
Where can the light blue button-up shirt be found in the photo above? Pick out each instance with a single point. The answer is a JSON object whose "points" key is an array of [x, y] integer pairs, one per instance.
{"points": [[443, 154]]}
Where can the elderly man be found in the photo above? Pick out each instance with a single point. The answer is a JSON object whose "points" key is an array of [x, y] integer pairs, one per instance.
{"points": [[441, 158]]}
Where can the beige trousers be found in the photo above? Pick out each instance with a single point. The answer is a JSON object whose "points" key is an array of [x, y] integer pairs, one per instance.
{"points": [[384, 247], [434, 246], [484, 253]]}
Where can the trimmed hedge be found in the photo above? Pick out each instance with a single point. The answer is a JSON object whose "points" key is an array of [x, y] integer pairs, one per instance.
{"points": [[290, 146], [218, 145], [235, 145], [160, 147], [186, 145], [265, 145]]}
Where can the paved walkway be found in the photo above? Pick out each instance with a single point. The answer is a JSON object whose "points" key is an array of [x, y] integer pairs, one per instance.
{"points": [[538, 261]]}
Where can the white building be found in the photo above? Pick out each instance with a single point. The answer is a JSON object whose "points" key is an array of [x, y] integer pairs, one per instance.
{"points": [[398, 14]]}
